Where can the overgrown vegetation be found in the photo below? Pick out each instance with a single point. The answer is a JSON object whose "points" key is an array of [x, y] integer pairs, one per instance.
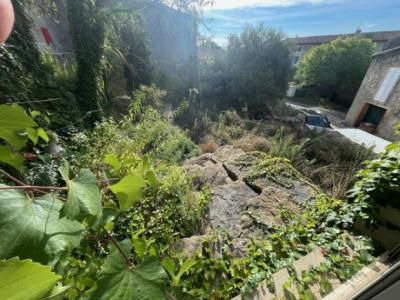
{"points": [[96, 211]]}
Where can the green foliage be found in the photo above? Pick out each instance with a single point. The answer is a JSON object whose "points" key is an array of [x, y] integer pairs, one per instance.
{"points": [[259, 67], [84, 199], [379, 182], [25, 279], [16, 128], [151, 135], [129, 190], [282, 145], [119, 281], [324, 223], [19, 58], [340, 65], [32, 228], [276, 169], [170, 267]]}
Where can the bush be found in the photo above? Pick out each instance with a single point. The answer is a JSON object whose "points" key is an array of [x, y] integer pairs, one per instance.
{"points": [[150, 135]]}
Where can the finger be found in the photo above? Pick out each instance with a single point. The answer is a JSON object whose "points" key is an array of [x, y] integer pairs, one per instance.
{"points": [[6, 19]]}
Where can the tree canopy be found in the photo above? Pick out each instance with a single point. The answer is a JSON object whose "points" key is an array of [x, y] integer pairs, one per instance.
{"points": [[340, 65], [259, 67]]}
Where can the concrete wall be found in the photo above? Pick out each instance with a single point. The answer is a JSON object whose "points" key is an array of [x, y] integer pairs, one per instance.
{"points": [[370, 85]]}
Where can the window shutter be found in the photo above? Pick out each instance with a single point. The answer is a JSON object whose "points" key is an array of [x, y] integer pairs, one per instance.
{"points": [[388, 85]]}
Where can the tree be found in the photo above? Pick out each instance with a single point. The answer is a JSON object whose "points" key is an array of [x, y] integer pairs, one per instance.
{"points": [[339, 66], [259, 68]]}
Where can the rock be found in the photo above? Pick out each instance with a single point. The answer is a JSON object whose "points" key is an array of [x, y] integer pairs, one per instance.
{"points": [[227, 204], [267, 205], [227, 154], [208, 174], [299, 190], [200, 160], [188, 247]]}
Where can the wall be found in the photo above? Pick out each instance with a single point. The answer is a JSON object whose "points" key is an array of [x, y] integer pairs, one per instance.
{"points": [[171, 33], [371, 83]]}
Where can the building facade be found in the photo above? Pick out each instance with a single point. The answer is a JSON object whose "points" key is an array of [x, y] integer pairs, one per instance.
{"points": [[303, 44], [376, 107]]}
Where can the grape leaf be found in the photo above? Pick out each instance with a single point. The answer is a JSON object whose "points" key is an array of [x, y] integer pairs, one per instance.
{"points": [[129, 190], [31, 228], [84, 198], [13, 121], [120, 281], [13, 159], [113, 161], [24, 279]]}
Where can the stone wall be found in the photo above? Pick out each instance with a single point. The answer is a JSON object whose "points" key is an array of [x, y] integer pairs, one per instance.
{"points": [[377, 72]]}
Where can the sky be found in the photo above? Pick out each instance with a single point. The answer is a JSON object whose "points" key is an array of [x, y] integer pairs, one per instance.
{"points": [[302, 17]]}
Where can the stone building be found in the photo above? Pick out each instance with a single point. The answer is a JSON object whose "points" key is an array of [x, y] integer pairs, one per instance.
{"points": [[303, 44], [376, 107]]}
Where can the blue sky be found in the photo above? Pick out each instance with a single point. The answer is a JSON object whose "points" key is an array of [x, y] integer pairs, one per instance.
{"points": [[303, 17]]}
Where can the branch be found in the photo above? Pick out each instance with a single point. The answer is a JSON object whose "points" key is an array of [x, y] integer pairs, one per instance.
{"points": [[30, 187], [115, 243], [13, 179]]}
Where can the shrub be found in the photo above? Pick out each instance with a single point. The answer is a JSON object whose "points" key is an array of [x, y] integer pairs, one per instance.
{"points": [[151, 135]]}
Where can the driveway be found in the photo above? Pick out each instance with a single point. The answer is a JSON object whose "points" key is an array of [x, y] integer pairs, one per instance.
{"points": [[337, 118]]}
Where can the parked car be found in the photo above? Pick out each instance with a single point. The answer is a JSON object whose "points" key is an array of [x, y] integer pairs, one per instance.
{"points": [[316, 122]]}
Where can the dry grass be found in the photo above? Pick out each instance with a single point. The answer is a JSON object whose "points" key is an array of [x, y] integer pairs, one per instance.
{"points": [[253, 142], [208, 145]]}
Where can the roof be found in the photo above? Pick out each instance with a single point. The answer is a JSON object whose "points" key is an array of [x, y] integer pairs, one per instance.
{"points": [[386, 51], [380, 36]]}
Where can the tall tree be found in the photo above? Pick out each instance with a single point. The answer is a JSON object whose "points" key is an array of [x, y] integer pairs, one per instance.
{"points": [[259, 68], [339, 66]]}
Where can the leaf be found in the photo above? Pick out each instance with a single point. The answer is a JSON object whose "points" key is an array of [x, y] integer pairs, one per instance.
{"points": [[57, 293], [185, 267], [35, 113], [113, 161], [84, 198], [9, 157], [33, 135], [31, 228], [169, 265], [153, 180], [129, 190], [120, 281], [42, 133], [13, 121], [25, 279]]}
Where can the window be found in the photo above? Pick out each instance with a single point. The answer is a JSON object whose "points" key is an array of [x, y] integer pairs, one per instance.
{"points": [[388, 85]]}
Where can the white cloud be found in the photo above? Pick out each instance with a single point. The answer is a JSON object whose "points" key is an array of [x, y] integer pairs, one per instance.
{"points": [[229, 4]]}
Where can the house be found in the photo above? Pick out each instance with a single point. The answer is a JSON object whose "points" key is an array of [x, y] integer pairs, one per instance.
{"points": [[376, 107], [303, 44]]}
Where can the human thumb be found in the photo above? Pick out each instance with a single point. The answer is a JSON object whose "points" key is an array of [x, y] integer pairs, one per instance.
{"points": [[6, 19]]}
